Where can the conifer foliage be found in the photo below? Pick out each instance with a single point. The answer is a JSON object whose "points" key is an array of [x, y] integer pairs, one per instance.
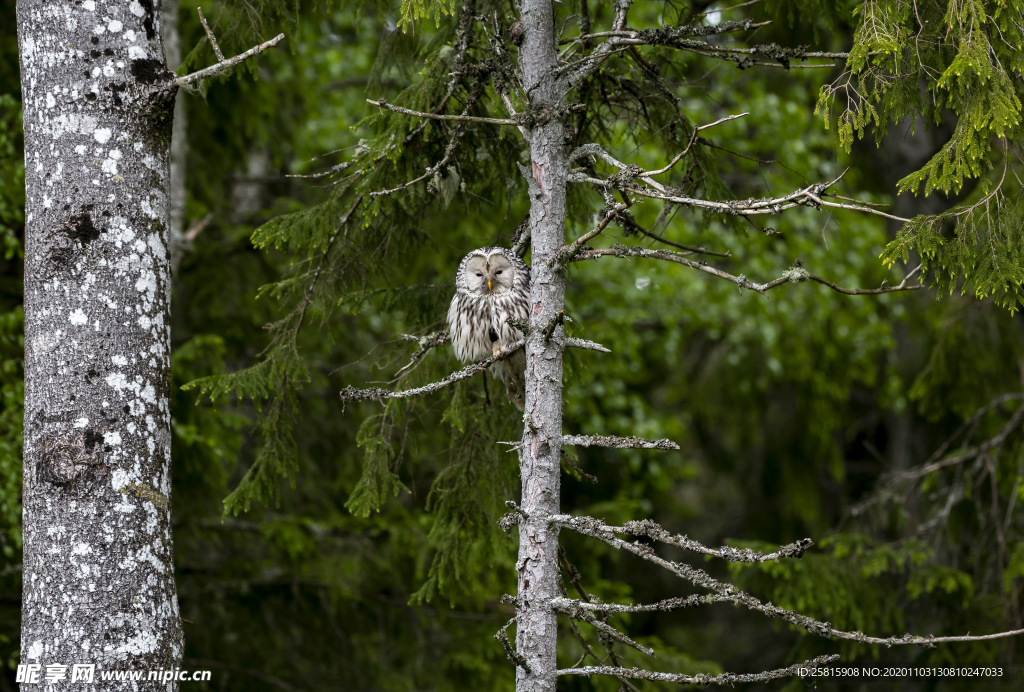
{"points": [[474, 122], [955, 63]]}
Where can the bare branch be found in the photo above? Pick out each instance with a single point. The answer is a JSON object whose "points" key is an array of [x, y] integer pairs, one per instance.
{"points": [[569, 251], [728, 592], [618, 442], [691, 30], [794, 275], [436, 116], [351, 393], [209, 35], [693, 138], [225, 65], [589, 478], [688, 248], [426, 343], [568, 606], [969, 454], [668, 604], [808, 196], [510, 651], [797, 274], [651, 529], [573, 342], [703, 678]]}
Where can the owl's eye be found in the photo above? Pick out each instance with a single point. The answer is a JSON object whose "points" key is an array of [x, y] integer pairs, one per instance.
{"points": [[498, 272], [479, 274]]}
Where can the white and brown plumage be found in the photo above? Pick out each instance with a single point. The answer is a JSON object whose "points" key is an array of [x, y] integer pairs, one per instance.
{"points": [[492, 285]]}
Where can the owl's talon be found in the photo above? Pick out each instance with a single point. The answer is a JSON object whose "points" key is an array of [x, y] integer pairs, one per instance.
{"points": [[497, 349]]}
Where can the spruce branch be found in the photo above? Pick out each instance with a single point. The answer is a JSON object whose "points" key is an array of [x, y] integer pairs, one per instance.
{"points": [[728, 592], [797, 669]]}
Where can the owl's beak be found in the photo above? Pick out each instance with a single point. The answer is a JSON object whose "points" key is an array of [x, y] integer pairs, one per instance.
{"points": [[488, 283]]}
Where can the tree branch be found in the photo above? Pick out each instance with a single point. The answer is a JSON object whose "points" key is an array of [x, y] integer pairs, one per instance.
{"points": [[568, 606], [794, 275], [702, 678], [617, 442], [728, 592], [426, 343], [351, 393], [651, 529], [209, 35], [435, 116], [665, 605], [570, 250], [510, 651], [984, 447], [225, 65]]}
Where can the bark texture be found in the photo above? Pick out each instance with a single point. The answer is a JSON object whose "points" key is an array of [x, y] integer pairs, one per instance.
{"points": [[98, 569], [540, 468]]}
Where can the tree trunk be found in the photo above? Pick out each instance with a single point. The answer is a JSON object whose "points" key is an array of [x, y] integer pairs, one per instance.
{"points": [[98, 569], [540, 467], [177, 243]]}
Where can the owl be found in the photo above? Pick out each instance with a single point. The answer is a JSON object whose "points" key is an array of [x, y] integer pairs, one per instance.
{"points": [[492, 285]]}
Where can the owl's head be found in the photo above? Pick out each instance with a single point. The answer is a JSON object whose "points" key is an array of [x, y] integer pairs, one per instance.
{"points": [[487, 272]]}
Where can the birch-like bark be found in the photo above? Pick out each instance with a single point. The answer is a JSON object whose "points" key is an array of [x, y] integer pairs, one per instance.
{"points": [[98, 568], [536, 627]]}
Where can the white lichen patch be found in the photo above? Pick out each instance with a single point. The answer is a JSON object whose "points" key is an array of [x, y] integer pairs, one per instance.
{"points": [[78, 317]]}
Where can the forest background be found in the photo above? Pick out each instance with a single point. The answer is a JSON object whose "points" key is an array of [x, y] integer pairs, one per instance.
{"points": [[789, 412]]}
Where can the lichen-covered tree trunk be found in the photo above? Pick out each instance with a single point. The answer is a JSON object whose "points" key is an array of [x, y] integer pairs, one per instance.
{"points": [[540, 467], [98, 570]]}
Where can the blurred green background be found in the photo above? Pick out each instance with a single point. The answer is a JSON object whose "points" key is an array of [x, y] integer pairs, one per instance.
{"points": [[789, 412]]}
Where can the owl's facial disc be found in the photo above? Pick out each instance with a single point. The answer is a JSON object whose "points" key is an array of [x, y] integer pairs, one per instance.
{"points": [[476, 275], [499, 275]]}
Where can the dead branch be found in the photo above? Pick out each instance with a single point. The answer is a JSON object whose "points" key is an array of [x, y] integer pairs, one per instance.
{"points": [[728, 592], [568, 606], [704, 678], [426, 343], [794, 275], [225, 65], [510, 651], [436, 116], [617, 442], [351, 393], [983, 448], [209, 35], [666, 605]]}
